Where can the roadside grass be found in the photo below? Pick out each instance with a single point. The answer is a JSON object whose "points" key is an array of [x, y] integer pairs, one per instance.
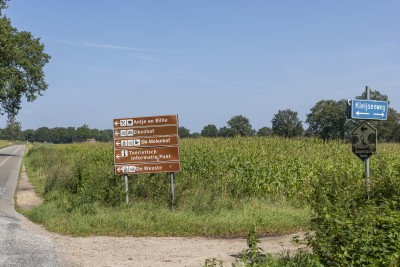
{"points": [[5, 143], [215, 194], [155, 219], [225, 188]]}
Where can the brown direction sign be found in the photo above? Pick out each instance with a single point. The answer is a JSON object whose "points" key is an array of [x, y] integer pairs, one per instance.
{"points": [[147, 168], [146, 154], [146, 144], [146, 121], [146, 141], [146, 131]]}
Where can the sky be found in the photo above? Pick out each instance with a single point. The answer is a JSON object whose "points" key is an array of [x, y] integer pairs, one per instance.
{"points": [[206, 61]]}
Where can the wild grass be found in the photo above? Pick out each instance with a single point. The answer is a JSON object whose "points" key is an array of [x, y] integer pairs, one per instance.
{"points": [[152, 219], [225, 187]]}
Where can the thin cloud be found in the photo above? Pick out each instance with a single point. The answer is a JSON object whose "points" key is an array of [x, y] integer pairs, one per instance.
{"points": [[118, 47], [111, 46]]}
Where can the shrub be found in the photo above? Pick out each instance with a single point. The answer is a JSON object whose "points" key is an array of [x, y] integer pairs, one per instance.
{"points": [[353, 228]]}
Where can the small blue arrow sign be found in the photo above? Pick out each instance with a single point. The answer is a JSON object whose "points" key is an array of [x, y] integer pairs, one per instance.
{"points": [[369, 109]]}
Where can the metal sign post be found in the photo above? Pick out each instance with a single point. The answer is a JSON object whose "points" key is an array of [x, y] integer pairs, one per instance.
{"points": [[364, 139], [367, 180], [172, 190], [126, 188]]}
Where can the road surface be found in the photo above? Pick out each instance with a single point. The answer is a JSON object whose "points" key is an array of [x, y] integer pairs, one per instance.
{"points": [[19, 245]]}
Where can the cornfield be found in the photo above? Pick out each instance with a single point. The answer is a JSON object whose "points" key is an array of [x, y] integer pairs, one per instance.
{"points": [[212, 168]]}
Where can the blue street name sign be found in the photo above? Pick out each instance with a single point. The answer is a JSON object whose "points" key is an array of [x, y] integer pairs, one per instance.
{"points": [[369, 109]]}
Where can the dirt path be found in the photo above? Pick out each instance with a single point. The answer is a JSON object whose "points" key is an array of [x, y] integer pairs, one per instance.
{"points": [[142, 251]]}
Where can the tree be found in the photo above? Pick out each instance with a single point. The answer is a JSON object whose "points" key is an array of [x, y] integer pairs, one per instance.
{"points": [[13, 129], [107, 135], [22, 59], [183, 132], [328, 120], [374, 95], [71, 135], [240, 125], [29, 135], [43, 134], [264, 131], [59, 135], [83, 133], [210, 131], [226, 132], [286, 123]]}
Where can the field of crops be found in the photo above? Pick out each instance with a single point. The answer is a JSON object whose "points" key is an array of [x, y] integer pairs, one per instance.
{"points": [[217, 173], [239, 167]]}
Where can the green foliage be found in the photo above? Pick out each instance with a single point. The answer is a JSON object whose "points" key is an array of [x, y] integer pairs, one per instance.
{"points": [[240, 125], [226, 132], [352, 229], [254, 256], [209, 130], [13, 129], [213, 263], [184, 132], [3, 5], [328, 119], [286, 123], [62, 135], [264, 131], [240, 180], [389, 130], [22, 59], [212, 168], [85, 171]]}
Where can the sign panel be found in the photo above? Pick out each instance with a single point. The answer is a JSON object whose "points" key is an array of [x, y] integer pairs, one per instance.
{"points": [[146, 131], [146, 121], [369, 109], [146, 154], [147, 168], [146, 141], [364, 141], [146, 145]]}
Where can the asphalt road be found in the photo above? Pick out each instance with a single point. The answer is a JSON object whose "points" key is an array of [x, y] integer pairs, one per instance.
{"points": [[19, 245]]}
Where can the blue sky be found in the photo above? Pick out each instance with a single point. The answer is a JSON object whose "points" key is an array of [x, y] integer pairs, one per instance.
{"points": [[206, 61]]}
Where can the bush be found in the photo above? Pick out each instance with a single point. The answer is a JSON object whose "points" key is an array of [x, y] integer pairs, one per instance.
{"points": [[353, 228]]}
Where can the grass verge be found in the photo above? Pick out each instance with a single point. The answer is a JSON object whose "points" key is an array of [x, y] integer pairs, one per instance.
{"points": [[152, 219]]}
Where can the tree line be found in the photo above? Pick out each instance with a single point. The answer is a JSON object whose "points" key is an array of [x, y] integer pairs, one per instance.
{"points": [[327, 120], [57, 135]]}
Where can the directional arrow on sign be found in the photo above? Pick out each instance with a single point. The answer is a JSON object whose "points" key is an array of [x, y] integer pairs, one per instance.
{"points": [[118, 143], [362, 109], [118, 156], [363, 128], [116, 123]]}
